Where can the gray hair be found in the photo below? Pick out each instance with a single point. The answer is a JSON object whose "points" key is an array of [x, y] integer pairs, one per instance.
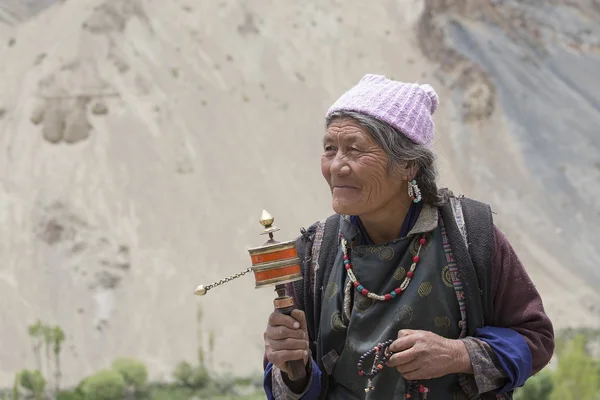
{"points": [[402, 153]]}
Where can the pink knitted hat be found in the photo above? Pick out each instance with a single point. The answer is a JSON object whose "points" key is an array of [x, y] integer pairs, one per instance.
{"points": [[408, 107]]}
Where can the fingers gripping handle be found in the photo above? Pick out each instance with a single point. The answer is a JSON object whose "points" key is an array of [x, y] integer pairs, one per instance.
{"points": [[297, 368], [285, 305]]}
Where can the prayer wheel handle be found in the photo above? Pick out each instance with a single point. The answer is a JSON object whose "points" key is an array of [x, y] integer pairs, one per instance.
{"points": [[285, 305]]}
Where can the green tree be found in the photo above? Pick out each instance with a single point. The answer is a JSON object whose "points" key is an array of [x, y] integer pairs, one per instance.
{"points": [[58, 337], [36, 332], [47, 334], [106, 384], [16, 395], [576, 376], [211, 347], [199, 316]]}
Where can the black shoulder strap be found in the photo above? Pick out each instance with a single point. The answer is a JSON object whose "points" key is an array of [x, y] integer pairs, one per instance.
{"points": [[470, 231], [316, 248], [325, 253], [329, 247], [304, 244], [479, 224]]}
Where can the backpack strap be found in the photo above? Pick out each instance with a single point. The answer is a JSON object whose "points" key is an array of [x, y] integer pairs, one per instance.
{"points": [[465, 266], [316, 248], [479, 224], [324, 252], [470, 228]]}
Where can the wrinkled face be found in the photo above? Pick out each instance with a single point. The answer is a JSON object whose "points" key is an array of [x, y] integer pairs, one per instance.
{"points": [[357, 170]]}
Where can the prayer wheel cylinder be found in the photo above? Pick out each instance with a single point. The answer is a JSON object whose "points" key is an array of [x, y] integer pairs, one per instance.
{"points": [[275, 264]]}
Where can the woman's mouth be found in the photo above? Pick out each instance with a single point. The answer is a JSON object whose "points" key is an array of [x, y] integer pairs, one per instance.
{"points": [[344, 187]]}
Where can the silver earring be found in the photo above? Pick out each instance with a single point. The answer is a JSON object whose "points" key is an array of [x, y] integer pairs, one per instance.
{"points": [[413, 191]]}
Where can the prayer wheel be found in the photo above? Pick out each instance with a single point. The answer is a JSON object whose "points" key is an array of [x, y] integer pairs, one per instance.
{"points": [[274, 264]]}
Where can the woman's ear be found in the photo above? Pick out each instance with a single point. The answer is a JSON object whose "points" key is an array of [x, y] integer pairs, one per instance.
{"points": [[407, 171], [412, 171]]}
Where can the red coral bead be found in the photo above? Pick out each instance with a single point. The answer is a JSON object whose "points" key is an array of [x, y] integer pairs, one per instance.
{"points": [[422, 241], [365, 292], [348, 266], [388, 296], [409, 274], [346, 257], [356, 284], [416, 259], [398, 290], [361, 373]]}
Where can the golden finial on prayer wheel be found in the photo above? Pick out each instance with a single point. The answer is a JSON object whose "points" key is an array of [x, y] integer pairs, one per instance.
{"points": [[266, 219]]}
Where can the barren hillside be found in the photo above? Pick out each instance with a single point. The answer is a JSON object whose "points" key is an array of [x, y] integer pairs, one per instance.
{"points": [[140, 140]]}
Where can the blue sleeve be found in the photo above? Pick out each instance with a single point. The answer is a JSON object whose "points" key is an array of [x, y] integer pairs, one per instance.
{"points": [[311, 393], [268, 381], [513, 354]]}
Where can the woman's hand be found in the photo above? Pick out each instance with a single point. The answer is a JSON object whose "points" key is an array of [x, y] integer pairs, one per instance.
{"points": [[286, 339], [425, 355]]}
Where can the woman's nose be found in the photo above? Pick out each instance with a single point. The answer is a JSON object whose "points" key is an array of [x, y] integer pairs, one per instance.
{"points": [[339, 166]]}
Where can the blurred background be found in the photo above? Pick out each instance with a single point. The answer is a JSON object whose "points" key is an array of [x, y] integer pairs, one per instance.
{"points": [[141, 139]]}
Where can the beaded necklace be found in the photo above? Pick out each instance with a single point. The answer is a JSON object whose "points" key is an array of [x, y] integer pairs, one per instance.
{"points": [[366, 292], [381, 351]]}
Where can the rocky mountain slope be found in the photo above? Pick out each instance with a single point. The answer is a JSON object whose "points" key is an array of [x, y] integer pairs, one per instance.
{"points": [[140, 140]]}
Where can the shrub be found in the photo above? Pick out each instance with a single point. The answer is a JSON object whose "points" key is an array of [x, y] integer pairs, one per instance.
{"points": [[191, 377], [69, 395], [33, 381], [539, 387], [103, 385], [134, 373]]}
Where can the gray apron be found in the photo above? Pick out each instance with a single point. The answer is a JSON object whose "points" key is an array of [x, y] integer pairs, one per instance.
{"points": [[429, 303]]}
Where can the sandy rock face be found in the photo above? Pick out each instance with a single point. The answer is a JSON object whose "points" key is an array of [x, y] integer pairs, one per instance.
{"points": [[141, 140]]}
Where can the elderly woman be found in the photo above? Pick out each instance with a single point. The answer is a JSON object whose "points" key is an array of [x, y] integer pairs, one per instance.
{"points": [[408, 291]]}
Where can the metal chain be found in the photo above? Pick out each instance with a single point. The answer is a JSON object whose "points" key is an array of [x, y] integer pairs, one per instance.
{"points": [[229, 278]]}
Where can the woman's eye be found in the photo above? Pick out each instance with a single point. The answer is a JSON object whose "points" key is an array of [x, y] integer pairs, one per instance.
{"points": [[329, 149]]}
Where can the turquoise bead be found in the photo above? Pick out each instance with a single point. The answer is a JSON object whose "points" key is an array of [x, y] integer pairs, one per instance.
{"points": [[393, 294], [360, 288]]}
